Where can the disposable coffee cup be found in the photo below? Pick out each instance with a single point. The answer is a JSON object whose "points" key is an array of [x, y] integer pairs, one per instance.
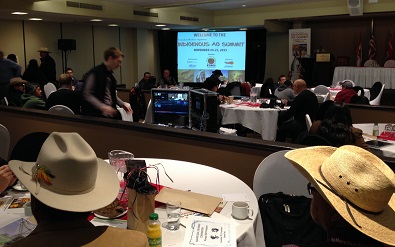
{"points": [[231, 98]]}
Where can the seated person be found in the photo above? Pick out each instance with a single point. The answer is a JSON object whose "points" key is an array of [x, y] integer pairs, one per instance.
{"points": [[148, 82], [334, 123], [267, 89], [32, 97], [212, 85], [74, 80], [167, 80], [7, 177], [292, 123], [67, 182], [281, 80], [346, 93], [353, 194], [17, 88], [65, 95], [285, 91]]}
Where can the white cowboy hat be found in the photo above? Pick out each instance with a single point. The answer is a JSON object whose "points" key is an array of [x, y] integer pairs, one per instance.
{"points": [[44, 49], [356, 183], [68, 176]]}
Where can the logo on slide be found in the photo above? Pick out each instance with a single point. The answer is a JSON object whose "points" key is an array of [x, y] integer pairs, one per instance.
{"points": [[210, 62]]}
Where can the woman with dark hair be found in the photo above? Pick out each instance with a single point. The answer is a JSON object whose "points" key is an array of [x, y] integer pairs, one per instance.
{"points": [[334, 123], [33, 74]]}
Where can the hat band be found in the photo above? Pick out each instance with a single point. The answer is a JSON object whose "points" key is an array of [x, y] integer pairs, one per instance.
{"points": [[42, 176], [328, 187]]}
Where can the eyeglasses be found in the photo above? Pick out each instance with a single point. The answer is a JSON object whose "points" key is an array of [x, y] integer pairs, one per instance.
{"points": [[310, 188]]}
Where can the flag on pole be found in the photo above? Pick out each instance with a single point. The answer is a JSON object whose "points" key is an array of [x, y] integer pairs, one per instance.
{"points": [[359, 52], [372, 48], [389, 48]]}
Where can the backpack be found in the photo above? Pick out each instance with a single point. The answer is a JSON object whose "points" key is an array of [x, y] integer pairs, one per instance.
{"points": [[286, 220]]}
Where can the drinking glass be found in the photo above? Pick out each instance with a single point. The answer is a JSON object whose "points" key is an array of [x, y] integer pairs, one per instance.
{"points": [[173, 211], [118, 159], [253, 94]]}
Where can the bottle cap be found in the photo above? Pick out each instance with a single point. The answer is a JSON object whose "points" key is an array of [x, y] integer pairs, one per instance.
{"points": [[153, 216]]}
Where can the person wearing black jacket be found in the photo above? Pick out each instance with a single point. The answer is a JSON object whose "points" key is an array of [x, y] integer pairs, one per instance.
{"points": [[99, 90], [292, 123]]}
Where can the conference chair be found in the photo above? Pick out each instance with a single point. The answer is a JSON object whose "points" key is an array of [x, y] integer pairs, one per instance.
{"points": [[61, 109], [5, 142], [5, 100], [323, 93], [371, 63], [49, 88], [276, 174], [28, 147], [308, 122], [377, 87], [389, 64]]}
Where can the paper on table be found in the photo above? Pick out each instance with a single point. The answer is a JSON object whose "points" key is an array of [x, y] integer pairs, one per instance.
{"points": [[235, 197], [112, 222], [204, 231], [190, 200]]}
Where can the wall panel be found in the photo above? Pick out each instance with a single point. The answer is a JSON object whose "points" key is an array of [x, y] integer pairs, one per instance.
{"points": [[80, 60]]}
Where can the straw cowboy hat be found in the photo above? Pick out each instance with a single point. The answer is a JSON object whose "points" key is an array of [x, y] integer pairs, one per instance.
{"points": [[67, 175], [356, 183], [44, 49], [16, 81]]}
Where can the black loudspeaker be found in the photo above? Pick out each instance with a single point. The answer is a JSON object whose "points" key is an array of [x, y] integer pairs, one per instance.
{"points": [[66, 44]]}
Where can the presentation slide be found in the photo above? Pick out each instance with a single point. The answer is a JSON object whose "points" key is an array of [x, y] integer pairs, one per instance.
{"points": [[200, 53]]}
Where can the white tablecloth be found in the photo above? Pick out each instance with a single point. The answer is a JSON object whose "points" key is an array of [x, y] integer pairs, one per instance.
{"points": [[190, 176], [260, 120], [367, 128], [365, 76]]}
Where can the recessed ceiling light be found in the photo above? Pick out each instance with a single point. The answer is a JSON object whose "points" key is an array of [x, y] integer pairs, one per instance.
{"points": [[166, 28], [160, 25], [205, 29], [19, 13], [96, 20], [113, 25], [243, 29], [35, 19], [243, 5]]}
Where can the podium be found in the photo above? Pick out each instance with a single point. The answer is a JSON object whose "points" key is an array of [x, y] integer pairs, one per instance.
{"points": [[324, 67]]}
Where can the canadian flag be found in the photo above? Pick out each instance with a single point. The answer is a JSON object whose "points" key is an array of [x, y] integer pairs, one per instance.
{"points": [[359, 52], [389, 48]]}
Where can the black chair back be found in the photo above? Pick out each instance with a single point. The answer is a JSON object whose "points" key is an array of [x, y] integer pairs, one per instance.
{"points": [[375, 90], [28, 147]]}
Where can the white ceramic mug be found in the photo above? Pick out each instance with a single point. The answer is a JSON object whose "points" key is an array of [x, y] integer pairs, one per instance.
{"points": [[241, 210]]}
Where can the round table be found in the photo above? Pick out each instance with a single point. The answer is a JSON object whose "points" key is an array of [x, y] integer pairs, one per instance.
{"points": [[210, 181]]}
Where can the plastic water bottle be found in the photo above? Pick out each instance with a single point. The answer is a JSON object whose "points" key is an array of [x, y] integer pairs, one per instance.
{"points": [[154, 233], [376, 129]]}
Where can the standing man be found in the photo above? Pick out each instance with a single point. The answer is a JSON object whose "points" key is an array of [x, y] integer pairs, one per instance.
{"points": [[166, 80], [8, 69], [48, 65], [100, 88]]}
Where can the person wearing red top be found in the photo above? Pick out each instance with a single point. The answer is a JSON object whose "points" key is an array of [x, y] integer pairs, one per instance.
{"points": [[346, 93]]}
